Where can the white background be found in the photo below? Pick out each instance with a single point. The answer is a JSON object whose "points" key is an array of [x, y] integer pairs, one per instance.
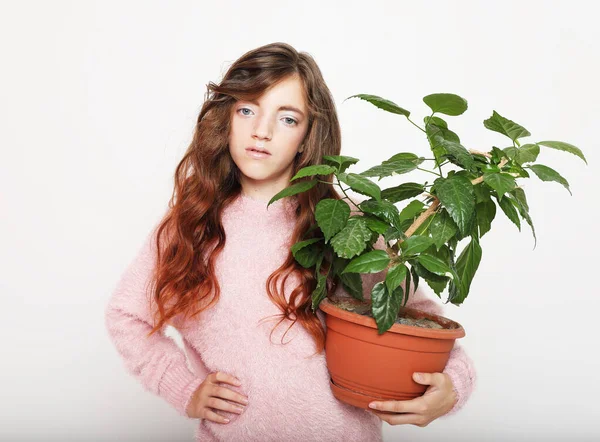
{"points": [[98, 103]]}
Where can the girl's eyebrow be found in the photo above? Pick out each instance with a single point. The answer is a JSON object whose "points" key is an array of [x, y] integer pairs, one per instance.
{"points": [[286, 107]]}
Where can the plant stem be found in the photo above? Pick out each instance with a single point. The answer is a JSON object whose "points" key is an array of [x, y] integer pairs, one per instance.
{"points": [[349, 199], [333, 184], [485, 154], [416, 125], [480, 178], [417, 223], [430, 171]]}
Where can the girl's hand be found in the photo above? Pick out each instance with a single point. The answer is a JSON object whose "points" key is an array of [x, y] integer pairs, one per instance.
{"points": [[210, 396], [437, 400]]}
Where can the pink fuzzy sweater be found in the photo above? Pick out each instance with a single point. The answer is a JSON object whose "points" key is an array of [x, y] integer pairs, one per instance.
{"points": [[288, 390]]}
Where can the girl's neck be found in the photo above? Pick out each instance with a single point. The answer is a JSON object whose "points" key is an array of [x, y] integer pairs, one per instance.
{"points": [[255, 197], [287, 204]]}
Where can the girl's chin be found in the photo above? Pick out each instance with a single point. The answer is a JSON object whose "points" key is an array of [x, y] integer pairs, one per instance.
{"points": [[255, 175]]}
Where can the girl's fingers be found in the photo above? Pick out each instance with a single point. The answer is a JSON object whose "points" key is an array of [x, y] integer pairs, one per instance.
{"points": [[220, 404], [226, 393], [227, 378], [214, 417], [416, 405], [400, 419]]}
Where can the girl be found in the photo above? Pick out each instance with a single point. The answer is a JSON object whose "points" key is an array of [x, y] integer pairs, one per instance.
{"points": [[218, 267]]}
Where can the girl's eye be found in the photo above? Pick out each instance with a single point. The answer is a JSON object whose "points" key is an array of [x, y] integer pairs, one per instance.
{"points": [[289, 121]]}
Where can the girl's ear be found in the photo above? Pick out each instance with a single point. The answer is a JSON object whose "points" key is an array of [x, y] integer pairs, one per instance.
{"points": [[301, 148]]}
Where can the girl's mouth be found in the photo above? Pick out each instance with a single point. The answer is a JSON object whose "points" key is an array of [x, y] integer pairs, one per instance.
{"points": [[254, 153]]}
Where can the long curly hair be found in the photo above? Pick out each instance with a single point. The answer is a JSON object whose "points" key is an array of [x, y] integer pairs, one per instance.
{"points": [[207, 181]]}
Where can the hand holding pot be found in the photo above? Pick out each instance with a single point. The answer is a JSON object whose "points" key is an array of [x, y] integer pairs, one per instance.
{"points": [[210, 396], [438, 399]]}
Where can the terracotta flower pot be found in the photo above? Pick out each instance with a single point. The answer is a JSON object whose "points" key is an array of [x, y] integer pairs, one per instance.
{"points": [[366, 366]]}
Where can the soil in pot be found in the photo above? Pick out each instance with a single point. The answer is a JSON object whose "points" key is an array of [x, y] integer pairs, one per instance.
{"points": [[404, 317]]}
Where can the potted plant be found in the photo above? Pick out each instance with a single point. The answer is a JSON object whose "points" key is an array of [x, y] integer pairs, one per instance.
{"points": [[374, 345]]}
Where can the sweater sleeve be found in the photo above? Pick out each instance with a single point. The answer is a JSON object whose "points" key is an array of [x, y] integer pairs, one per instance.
{"points": [[459, 367], [156, 361]]}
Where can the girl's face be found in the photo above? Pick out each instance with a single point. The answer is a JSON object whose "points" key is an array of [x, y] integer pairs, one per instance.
{"points": [[278, 123]]}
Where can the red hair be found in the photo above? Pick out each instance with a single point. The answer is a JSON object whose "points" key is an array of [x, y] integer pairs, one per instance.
{"points": [[207, 181]]}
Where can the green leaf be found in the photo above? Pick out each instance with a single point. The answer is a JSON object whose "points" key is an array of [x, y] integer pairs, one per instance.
{"points": [[361, 185], [340, 161], [293, 190], [441, 132], [435, 120], [415, 244], [527, 153], [454, 286], [400, 163], [415, 278], [370, 262], [509, 210], [457, 154], [482, 192], [437, 283], [383, 210], [303, 244], [546, 173], [500, 182], [331, 216], [449, 104], [385, 306], [512, 130], [320, 292], [457, 196], [402, 192], [566, 147], [307, 253], [395, 276], [497, 156], [351, 240], [435, 265], [317, 169], [375, 224], [442, 228], [520, 202], [382, 103], [411, 210], [466, 266], [392, 233], [519, 195], [442, 253], [351, 282], [486, 212], [437, 136], [446, 255], [389, 169], [437, 286], [407, 285], [404, 156], [516, 168]]}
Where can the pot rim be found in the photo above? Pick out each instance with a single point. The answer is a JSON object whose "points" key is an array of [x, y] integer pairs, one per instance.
{"points": [[453, 333]]}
